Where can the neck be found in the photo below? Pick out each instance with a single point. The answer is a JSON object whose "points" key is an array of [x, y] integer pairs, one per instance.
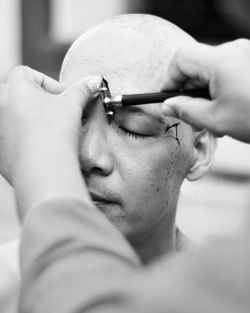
{"points": [[161, 241]]}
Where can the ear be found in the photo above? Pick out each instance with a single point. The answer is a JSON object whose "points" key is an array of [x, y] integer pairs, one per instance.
{"points": [[204, 148]]}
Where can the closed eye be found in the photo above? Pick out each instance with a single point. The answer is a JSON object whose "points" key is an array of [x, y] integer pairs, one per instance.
{"points": [[127, 132], [133, 134]]}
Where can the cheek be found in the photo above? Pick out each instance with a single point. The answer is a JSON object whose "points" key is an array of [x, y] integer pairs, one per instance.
{"points": [[148, 183], [163, 178], [151, 172], [153, 191], [147, 171]]}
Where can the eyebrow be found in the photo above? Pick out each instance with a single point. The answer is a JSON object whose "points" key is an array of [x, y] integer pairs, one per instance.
{"points": [[153, 117]]}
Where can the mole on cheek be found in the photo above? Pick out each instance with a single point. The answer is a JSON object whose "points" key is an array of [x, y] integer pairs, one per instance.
{"points": [[157, 189]]}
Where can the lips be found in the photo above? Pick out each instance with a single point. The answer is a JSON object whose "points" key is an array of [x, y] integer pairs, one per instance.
{"points": [[100, 199], [105, 204]]}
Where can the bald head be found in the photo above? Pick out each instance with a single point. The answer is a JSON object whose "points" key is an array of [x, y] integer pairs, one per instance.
{"points": [[138, 162], [131, 51]]}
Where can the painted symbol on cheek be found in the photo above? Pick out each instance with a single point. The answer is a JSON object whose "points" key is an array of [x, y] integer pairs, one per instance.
{"points": [[176, 125]]}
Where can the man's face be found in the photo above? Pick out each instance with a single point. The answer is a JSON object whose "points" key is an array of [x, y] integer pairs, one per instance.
{"points": [[134, 166]]}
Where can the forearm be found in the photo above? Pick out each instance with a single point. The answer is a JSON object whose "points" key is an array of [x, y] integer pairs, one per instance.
{"points": [[74, 260], [73, 248]]}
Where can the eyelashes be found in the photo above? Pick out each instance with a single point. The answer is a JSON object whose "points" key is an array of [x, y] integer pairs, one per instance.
{"points": [[129, 133], [137, 136]]}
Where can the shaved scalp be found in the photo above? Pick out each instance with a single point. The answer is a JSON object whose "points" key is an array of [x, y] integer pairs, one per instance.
{"points": [[131, 48]]}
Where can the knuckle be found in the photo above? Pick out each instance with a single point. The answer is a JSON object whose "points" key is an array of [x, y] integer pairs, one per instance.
{"points": [[180, 55], [20, 70], [175, 59], [231, 54], [18, 75], [240, 47], [243, 42], [243, 47]]}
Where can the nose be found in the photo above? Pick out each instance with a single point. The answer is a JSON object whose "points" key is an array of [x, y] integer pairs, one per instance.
{"points": [[95, 154]]}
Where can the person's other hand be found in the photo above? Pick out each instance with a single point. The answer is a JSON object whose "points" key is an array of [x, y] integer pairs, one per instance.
{"points": [[37, 114], [224, 69]]}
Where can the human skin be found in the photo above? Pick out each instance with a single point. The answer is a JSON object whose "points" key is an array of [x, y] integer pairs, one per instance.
{"points": [[138, 176], [30, 100], [212, 67]]}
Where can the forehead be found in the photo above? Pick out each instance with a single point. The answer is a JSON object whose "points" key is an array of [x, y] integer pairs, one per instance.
{"points": [[126, 73], [131, 59]]}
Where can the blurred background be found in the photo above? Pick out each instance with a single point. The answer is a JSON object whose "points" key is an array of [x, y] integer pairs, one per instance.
{"points": [[38, 33]]}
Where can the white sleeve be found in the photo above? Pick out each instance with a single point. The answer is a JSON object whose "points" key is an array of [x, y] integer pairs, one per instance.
{"points": [[9, 276]]}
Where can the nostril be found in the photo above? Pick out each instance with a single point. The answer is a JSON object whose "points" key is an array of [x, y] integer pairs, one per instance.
{"points": [[85, 174], [97, 170], [97, 166], [93, 170]]}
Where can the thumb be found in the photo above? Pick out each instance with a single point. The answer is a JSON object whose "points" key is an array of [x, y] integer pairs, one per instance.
{"points": [[195, 111], [35, 78], [84, 91]]}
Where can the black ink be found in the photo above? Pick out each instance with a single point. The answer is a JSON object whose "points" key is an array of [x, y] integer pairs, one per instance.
{"points": [[176, 131]]}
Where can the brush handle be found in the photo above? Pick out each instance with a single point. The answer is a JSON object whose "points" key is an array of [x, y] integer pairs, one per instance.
{"points": [[157, 97]]}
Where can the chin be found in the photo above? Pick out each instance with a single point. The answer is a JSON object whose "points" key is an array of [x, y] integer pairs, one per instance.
{"points": [[116, 216], [120, 223]]}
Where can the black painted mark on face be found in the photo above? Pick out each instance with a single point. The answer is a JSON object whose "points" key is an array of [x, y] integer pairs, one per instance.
{"points": [[176, 125]]}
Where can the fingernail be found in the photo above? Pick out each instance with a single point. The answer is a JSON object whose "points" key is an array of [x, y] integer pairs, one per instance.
{"points": [[94, 83]]}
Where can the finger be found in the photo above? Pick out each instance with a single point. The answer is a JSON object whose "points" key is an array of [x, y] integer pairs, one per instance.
{"points": [[18, 74], [84, 91], [45, 82], [38, 79], [194, 84], [195, 111], [190, 63]]}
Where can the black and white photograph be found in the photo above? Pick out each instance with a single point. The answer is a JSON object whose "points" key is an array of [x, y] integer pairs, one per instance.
{"points": [[125, 156]]}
